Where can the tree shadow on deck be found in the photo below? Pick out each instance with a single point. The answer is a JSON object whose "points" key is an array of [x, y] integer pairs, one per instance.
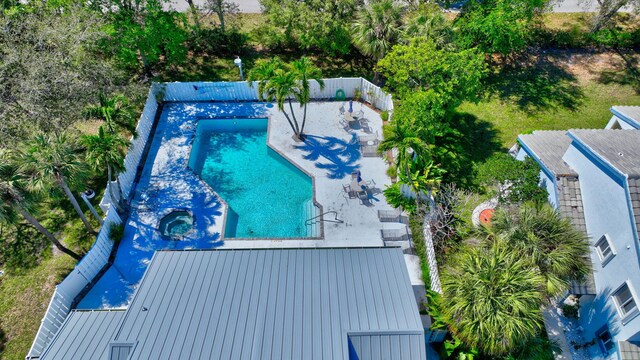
{"points": [[340, 154], [536, 84]]}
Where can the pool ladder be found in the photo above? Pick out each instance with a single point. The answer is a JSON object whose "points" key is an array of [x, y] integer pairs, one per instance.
{"points": [[315, 222]]}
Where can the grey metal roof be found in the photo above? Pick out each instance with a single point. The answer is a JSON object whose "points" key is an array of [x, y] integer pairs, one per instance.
{"points": [[628, 350], [549, 146], [271, 304], [620, 148], [84, 335], [630, 112], [385, 346]]}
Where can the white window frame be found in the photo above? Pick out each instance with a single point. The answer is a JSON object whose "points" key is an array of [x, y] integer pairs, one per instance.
{"points": [[605, 259], [626, 317]]}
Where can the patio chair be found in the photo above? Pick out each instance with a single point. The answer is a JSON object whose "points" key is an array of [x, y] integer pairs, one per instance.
{"points": [[364, 197], [347, 189], [395, 234], [392, 216]]}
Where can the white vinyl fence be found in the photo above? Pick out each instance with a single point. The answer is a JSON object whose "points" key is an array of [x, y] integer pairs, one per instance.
{"points": [[84, 272]]}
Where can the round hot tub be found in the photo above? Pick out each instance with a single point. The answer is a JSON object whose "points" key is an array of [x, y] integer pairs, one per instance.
{"points": [[176, 224]]}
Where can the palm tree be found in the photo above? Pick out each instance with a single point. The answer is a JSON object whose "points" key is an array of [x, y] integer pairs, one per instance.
{"points": [[429, 23], [493, 298], [404, 136], [304, 70], [281, 82], [559, 250], [377, 28], [16, 197], [115, 111], [106, 150], [55, 158]]}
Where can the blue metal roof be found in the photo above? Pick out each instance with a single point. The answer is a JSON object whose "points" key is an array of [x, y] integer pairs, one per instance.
{"points": [[273, 304], [84, 335], [354, 303]]}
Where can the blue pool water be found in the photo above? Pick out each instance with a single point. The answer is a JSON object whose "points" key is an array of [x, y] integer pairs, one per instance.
{"points": [[266, 194]]}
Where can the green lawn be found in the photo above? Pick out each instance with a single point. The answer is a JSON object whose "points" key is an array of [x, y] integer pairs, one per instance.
{"points": [[23, 301], [585, 104]]}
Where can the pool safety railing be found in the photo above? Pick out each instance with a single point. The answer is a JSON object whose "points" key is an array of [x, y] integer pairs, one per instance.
{"points": [[319, 218]]}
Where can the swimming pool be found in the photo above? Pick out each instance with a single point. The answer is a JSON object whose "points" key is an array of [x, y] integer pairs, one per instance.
{"points": [[267, 196]]}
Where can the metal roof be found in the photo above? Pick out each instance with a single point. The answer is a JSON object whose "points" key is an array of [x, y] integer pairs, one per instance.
{"points": [[84, 335], [628, 350], [549, 146], [620, 148], [272, 304], [390, 346]]}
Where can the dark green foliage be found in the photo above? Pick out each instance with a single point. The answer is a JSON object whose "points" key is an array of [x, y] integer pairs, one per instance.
{"points": [[498, 26], [141, 39], [395, 198], [492, 298], [315, 24], [116, 231], [21, 247], [570, 311], [217, 41], [452, 76], [547, 239], [514, 181], [78, 238]]}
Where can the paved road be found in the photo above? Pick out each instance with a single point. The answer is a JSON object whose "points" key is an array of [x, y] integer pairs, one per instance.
{"points": [[253, 6]]}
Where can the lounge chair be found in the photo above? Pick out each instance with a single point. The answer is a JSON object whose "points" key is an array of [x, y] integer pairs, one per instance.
{"points": [[395, 234], [392, 216]]}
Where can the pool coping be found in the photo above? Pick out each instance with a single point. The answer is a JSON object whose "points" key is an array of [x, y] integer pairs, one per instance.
{"points": [[226, 205]]}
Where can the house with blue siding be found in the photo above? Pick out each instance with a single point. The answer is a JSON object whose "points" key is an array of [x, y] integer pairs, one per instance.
{"points": [[593, 178], [325, 303]]}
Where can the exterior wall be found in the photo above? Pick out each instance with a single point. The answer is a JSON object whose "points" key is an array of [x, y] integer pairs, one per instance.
{"points": [[606, 211], [546, 181], [622, 123]]}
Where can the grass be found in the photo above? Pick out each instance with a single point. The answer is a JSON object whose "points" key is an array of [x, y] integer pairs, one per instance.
{"points": [[23, 301], [564, 91]]}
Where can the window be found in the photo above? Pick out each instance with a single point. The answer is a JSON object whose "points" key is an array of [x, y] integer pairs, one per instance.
{"points": [[625, 302], [605, 340], [605, 251]]}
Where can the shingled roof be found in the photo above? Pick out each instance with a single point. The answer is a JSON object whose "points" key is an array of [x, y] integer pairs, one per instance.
{"points": [[549, 146]]}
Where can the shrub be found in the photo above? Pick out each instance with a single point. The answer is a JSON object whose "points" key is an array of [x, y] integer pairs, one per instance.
{"points": [[21, 247], [116, 231], [570, 311], [216, 41], [392, 171], [395, 198], [384, 115]]}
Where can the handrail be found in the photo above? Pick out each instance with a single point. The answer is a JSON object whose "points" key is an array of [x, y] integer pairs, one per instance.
{"points": [[335, 219]]}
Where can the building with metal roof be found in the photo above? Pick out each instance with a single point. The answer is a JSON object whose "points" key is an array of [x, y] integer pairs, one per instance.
{"points": [[593, 178], [327, 303]]}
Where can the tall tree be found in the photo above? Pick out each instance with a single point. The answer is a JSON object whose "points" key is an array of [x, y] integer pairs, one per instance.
{"points": [[493, 299], [607, 9], [55, 159], [429, 23], [107, 151], [146, 35], [498, 26], [404, 137], [115, 111], [551, 242], [304, 71], [420, 65], [377, 28], [311, 24], [16, 197], [282, 82], [222, 8], [49, 69]]}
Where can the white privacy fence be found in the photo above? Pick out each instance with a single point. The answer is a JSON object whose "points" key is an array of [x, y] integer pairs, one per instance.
{"points": [[65, 293], [136, 149], [243, 91]]}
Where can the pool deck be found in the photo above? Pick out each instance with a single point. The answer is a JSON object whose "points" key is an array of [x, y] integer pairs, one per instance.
{"points": [[330, 154]]}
